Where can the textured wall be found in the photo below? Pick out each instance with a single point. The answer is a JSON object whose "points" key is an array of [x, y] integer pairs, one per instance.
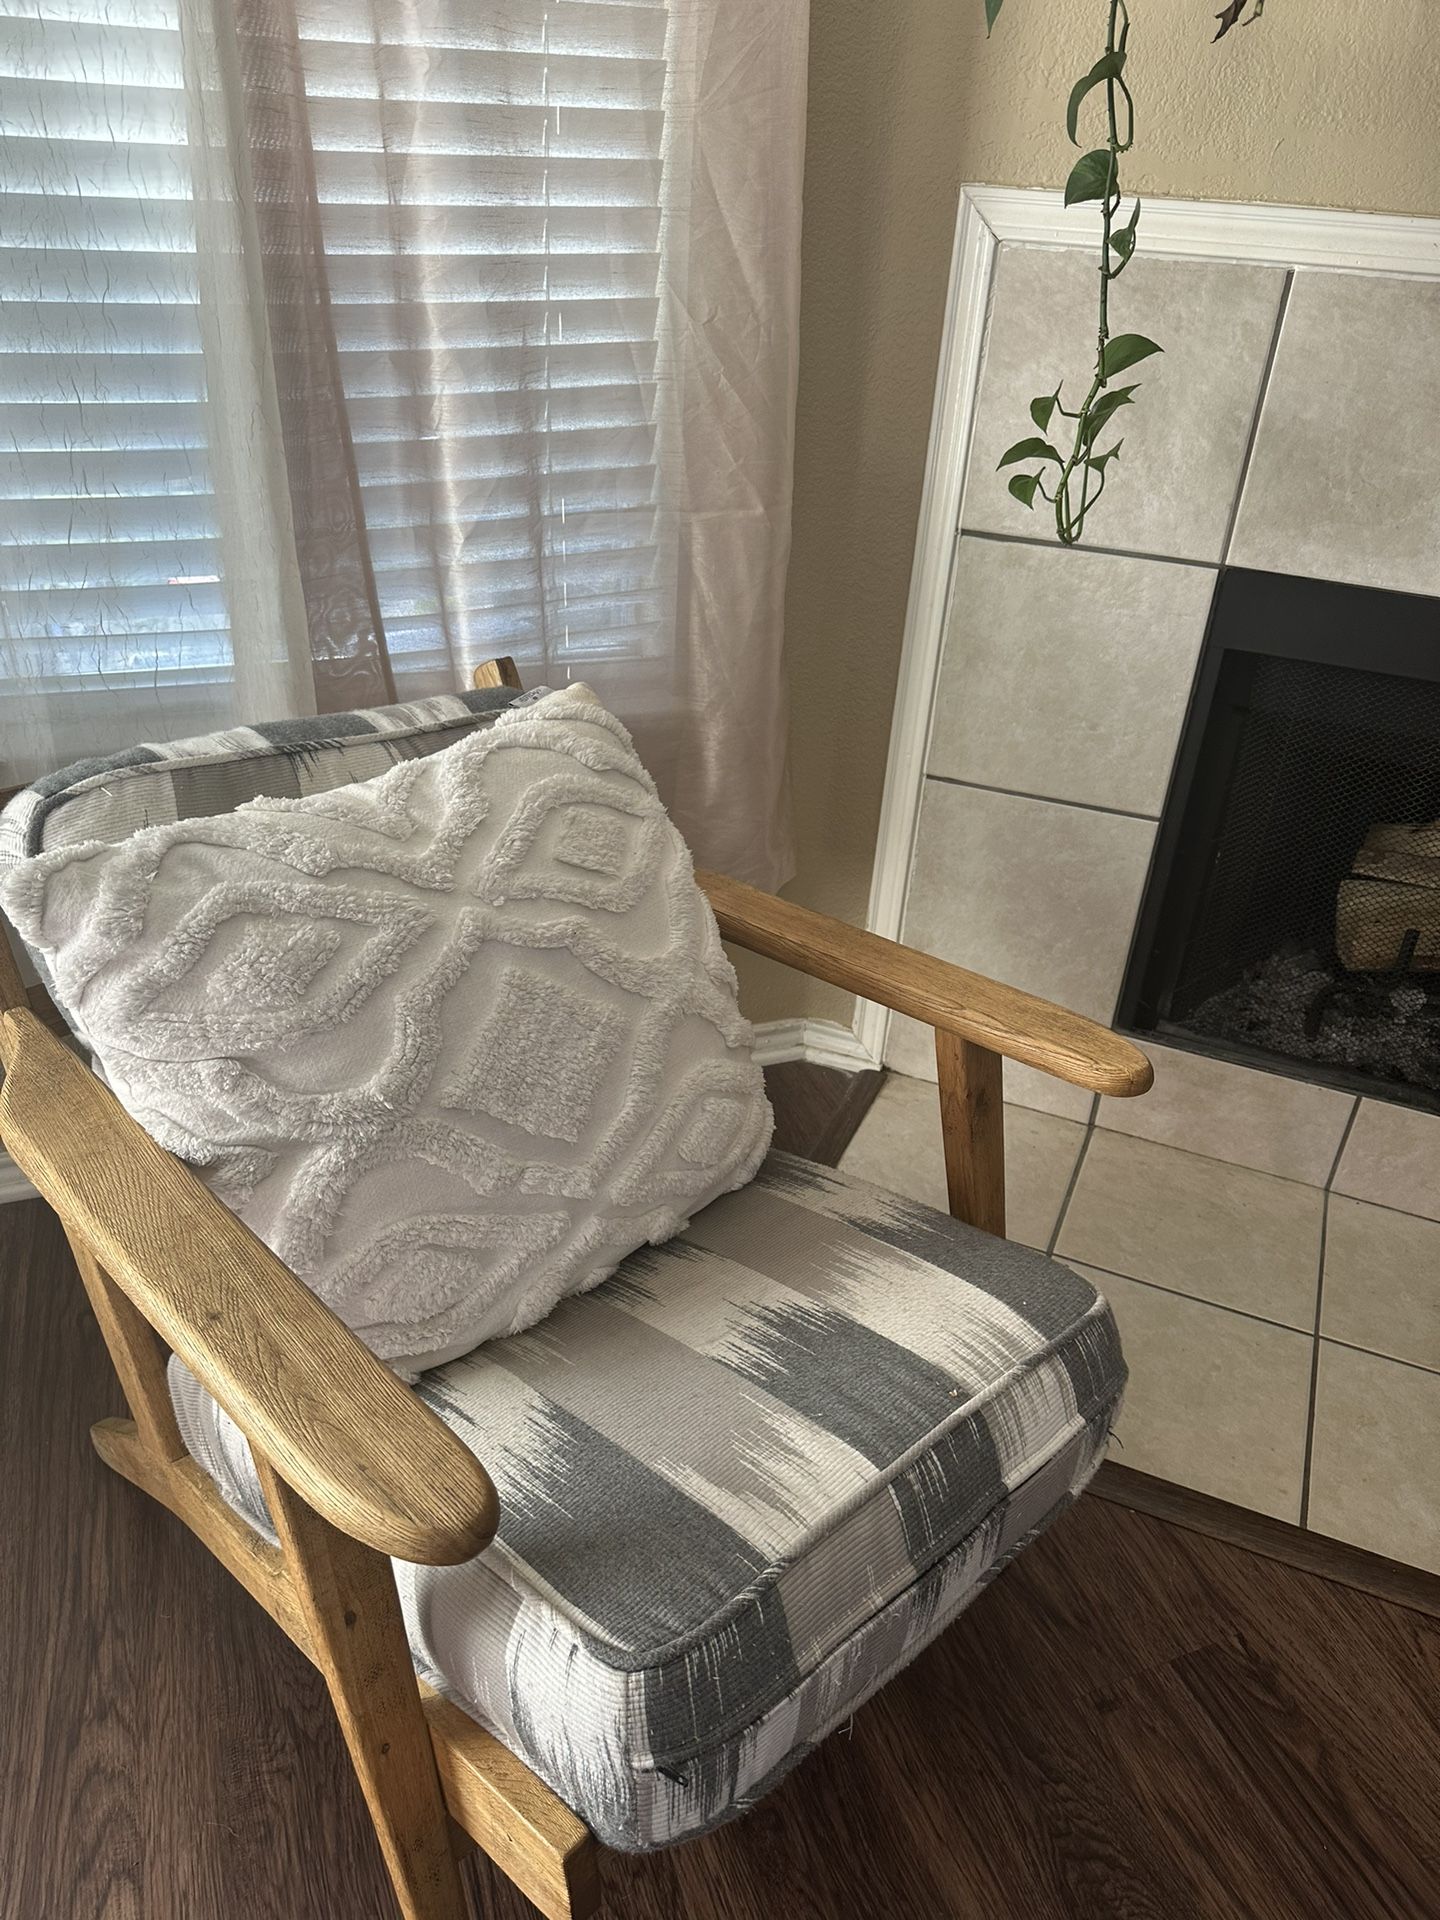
{"points": [[1324, 103]]}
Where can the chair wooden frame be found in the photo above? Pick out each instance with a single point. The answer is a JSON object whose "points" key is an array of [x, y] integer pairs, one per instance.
{"points": [[354, 1467]]}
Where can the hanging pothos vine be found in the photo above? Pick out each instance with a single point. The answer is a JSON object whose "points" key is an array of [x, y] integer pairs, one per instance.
{"points": [[1076, 470]]}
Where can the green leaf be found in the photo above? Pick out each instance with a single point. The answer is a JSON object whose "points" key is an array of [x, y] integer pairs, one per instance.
{"points": [[992, 12], [1023, 487], [1042, 408], [1123, 238], [1031, 449], [1108, 67], [1089, 177], [1104, 407], [1124, 350], [1097, 461]]}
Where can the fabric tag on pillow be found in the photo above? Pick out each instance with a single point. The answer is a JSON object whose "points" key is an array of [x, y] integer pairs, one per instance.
{"points": [[453, 1041]]}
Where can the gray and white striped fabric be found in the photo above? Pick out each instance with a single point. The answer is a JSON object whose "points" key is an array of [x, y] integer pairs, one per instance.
{"points": [[742, 1483], [159, 782]]}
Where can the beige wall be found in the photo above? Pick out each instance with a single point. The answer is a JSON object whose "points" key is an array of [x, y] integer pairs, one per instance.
{"points": [[1323, 103]]}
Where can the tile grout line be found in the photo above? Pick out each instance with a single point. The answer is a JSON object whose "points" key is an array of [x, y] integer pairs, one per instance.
{"points": [[1044, 799], [1109, 553], [1073, 1181], [1309, 1457], [1256, 1319], [1345, 1134], [1322, 1185], [1196, 1299], [1260, 398], [1390, 1359], [1240, 1166]]}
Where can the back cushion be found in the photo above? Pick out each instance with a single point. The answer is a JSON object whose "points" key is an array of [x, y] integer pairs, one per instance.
{"points": [[114, 795], [453, 1040]]}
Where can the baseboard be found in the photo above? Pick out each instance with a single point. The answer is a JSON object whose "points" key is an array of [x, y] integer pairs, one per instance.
{"points": [[824, 1043], [1271, 1539]]}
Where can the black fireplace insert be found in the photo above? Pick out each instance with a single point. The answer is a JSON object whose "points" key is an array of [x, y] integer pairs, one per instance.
{"points": [[1292, 915]]}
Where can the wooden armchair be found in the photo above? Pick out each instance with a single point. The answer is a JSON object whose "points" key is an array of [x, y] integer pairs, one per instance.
{"points": [[355, 1469]]}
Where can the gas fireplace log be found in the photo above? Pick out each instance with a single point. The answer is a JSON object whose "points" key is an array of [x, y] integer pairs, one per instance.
{"points": [[1387, 911]]}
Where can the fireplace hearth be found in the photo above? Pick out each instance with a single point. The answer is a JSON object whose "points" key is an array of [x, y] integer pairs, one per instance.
{"points": [[1292, 916]]}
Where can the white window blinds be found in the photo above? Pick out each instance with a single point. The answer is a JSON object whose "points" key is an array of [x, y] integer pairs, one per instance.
{"points": [[489, 174], [108, 568], [489, 178], [332, 330]]}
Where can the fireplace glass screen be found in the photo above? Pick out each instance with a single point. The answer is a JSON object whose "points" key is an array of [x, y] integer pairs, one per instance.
{"points": [[1293, 912]]}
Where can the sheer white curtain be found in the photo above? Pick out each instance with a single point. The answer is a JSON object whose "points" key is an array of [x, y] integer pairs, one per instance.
{"points": [[115, 622], [349, 342]]}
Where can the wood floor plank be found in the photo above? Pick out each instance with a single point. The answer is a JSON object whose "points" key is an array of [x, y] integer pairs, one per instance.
{"points": [[1356, 1860], [818, 1109], [1138, 1722], [166, 1751], [1161, 1747]]}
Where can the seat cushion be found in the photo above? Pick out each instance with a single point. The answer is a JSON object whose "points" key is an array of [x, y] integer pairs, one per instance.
{"points": [[741, 1484]]}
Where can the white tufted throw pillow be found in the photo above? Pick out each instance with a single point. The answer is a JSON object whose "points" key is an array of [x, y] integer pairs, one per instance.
{"points": [[453, 1041]]}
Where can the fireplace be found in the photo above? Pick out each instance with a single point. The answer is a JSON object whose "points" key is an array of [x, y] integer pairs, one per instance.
{"points": [[1292, 914]]}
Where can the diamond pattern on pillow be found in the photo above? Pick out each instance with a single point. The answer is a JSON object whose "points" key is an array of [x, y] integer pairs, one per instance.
{"points": [[592, 838], [542, 1058], [453, 1041], [535, 857]]}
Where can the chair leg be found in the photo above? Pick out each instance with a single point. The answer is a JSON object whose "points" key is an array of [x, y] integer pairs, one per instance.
{"points": [[347, 1594], [972, 1118]]}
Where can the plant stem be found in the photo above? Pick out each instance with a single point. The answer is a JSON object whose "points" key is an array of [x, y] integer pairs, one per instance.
{"points": [[1068, 519]]}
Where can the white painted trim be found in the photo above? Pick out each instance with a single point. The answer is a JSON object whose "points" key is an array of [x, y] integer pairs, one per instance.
{"points": [[1339, 242], [972, 264], [1301, 237], [824, 1043]]}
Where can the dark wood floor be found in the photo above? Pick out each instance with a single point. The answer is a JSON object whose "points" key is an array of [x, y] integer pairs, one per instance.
{"points": [[1136, 1723]]}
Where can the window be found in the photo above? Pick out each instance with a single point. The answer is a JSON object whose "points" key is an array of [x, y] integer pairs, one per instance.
{"points": [[108, 568], [490, 184], [489, 174]]}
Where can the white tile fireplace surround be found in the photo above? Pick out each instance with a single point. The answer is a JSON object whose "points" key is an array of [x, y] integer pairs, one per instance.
{"points": [[1271, 1245]]}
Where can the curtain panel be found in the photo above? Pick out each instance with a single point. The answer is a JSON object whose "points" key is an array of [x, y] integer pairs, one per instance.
{"points": [[350, 342]]}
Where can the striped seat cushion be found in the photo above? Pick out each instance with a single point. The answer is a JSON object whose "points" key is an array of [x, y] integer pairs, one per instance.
{"points": [[741, 1484]]}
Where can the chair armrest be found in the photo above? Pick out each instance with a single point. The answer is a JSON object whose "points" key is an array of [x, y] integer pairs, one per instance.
{"points": [[348, 1436], [1003, 1019]]}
